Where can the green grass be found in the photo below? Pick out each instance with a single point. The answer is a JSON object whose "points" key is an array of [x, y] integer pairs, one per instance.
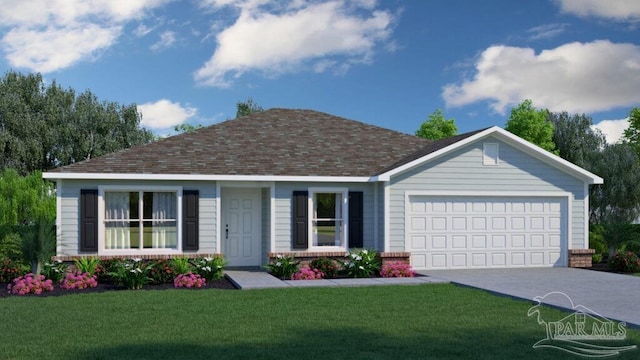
{"points": [[390, 322]]}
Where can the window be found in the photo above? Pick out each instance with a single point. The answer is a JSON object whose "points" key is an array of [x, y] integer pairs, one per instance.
{"points": [[490, 154], [140, 220], [328, 218]]}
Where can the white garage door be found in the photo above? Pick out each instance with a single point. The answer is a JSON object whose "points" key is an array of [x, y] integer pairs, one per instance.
{"points": [[486, 232]]}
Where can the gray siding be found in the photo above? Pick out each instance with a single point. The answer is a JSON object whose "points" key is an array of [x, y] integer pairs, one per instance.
{"points": [[283, 198], [70, 201], [463, 170]]}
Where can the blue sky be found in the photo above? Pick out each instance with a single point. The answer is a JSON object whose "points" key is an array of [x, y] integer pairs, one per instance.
{"points": [[387, 62]]}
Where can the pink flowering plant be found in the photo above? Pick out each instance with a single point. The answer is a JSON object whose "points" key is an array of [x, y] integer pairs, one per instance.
{"points": [[307, 273], [79, 280], [30, 284], [189, 280], [397, 269]]}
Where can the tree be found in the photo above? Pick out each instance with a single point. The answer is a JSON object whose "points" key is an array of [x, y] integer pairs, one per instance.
{"points": [[632, 133], [27, 218], [532, 125], [436, 127], [575, 140], [247, 108], [185, 128], [616, 203], [42, 127]]}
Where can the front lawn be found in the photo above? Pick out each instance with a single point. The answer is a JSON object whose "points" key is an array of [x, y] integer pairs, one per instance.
{"points": [[381, 322]]}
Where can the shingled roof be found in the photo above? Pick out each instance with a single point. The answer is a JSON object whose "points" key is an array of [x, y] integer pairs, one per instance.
{"points": [[279, 142]]}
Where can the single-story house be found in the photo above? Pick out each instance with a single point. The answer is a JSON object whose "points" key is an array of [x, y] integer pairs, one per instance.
{"points": [[306, 183]]}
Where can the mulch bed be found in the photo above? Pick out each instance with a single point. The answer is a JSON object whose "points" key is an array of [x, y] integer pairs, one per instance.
{"points": [[222, 284]]}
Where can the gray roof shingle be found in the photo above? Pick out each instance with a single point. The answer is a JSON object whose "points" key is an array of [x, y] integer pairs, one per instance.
{"points": [[279, 142]]}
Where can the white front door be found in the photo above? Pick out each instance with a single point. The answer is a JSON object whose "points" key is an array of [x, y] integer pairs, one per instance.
{"points": [[241, 226]]}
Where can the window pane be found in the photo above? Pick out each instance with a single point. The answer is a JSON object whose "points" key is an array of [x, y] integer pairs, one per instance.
{"points": [[160, 235], [328, 221], [121, 235], [325, 205], [121, 205]]}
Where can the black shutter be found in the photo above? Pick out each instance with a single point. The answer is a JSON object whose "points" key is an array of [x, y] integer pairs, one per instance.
{"points": [[299, 220], [88, 220], [356, 215], [190, 227]]}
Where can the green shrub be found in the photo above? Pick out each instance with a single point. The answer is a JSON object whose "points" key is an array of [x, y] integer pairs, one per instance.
{"points": [[597, 243], [161, 272], [283, 267], [633, 246], [181, 265], [209, 268], [361, 263], [327, 266], [11, 269], [627, 262], [87, 265], [105, 268], [55, 271], [11, 247], [131, 273]]}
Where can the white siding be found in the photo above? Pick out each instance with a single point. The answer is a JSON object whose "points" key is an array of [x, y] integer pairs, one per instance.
{"points": [[284, 193], [463, 170], [70, 199]]}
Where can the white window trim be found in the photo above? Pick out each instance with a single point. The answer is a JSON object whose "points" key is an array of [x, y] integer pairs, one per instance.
{"points": [[490, 161], [345, 216], [135, 252]]}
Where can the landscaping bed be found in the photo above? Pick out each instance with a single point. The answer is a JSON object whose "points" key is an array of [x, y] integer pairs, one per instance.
{"points": [[222, 284]]}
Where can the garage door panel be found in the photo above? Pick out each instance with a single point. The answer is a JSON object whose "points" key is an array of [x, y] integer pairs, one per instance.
{"points": [[473, 232]]}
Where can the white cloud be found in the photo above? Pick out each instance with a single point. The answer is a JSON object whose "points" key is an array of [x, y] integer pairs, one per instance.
{"points": [[611, 9], [167, 39], [164, 113], [612, 129], [142, 30], [48, 35], [546, 31], [575, 77], [52, 49], [286, 39]]}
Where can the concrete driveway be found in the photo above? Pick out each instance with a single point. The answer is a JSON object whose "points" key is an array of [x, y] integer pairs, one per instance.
{"points": [[613, 296]]}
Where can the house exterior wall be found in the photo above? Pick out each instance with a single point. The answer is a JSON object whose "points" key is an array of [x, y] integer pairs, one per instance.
{"points": [[463, 171], [68, 243], [283, 209]]}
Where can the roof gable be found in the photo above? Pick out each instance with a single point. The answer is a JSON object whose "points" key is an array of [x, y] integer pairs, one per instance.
{"points": [[445, 146], [276, 142]]}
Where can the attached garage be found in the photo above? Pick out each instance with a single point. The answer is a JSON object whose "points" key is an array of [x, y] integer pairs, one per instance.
{"points": [[461, 232]]}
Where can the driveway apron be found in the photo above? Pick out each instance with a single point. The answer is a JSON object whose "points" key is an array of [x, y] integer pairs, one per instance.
{"points": [[614, 296]]}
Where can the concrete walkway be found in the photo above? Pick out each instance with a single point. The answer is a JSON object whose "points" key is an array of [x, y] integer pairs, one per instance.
{"points": [[613, 296], [259, 279]]}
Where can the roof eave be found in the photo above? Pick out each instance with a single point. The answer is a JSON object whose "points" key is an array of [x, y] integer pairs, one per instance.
{"points": [[201, 177]]}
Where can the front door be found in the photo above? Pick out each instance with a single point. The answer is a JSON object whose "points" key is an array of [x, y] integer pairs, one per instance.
{"points": [[241, 226]]}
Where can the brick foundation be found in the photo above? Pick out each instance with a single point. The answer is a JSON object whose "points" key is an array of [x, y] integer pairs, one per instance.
{"points": [[144, 257], [580, 258]]}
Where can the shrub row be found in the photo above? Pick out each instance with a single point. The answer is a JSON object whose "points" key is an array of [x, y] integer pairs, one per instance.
{"points": [[131, 273], [358, 263]]}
